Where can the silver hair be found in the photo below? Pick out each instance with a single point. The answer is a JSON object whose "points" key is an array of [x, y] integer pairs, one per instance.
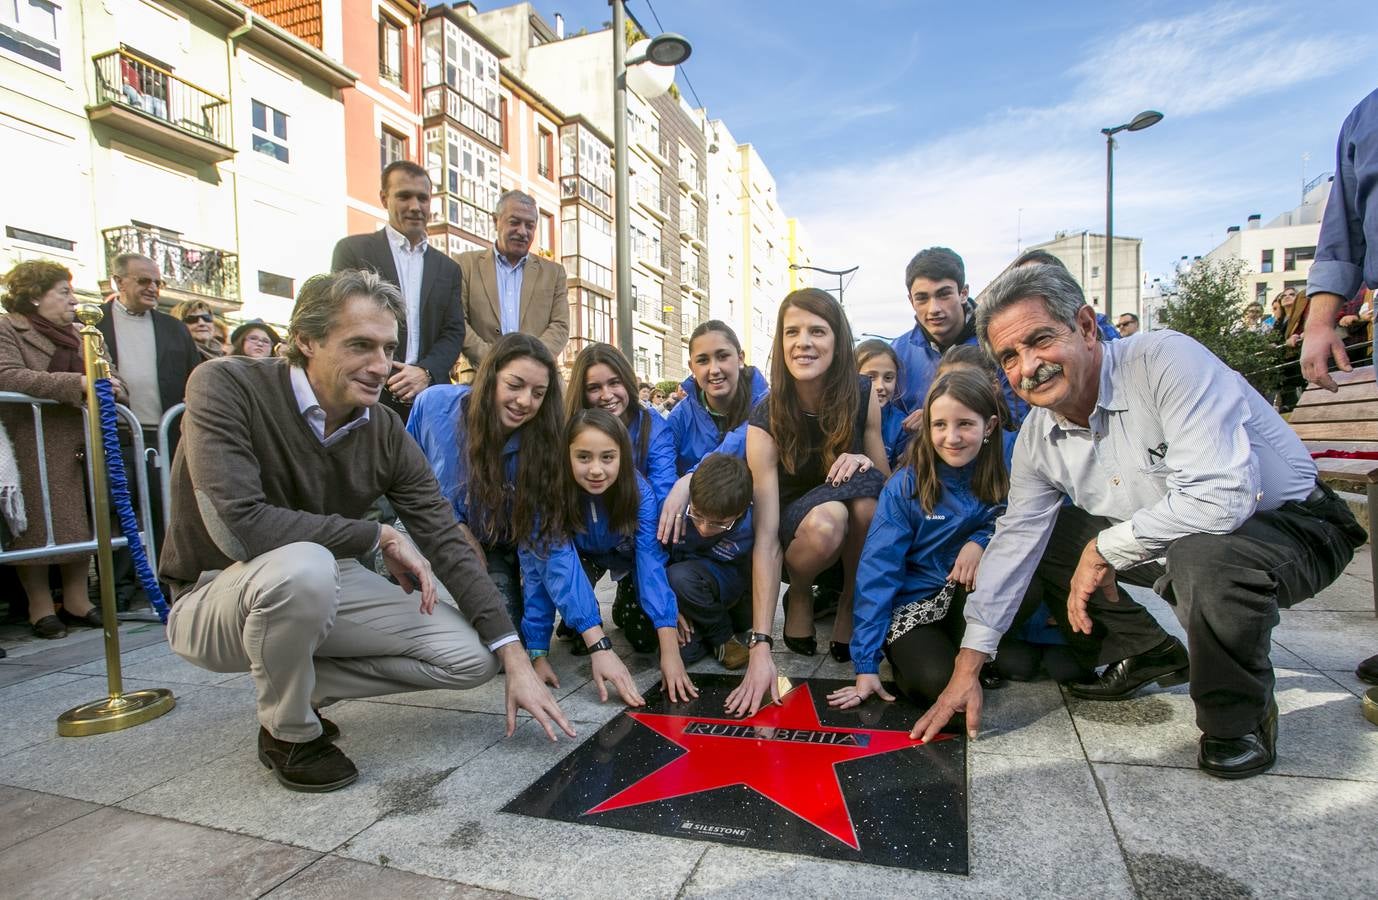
{"points": [[1054, 285], [521, 197], [322, 298], [119, 266]]}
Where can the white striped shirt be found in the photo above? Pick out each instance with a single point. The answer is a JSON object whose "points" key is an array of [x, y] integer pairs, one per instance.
{"points": [[1177, 444]]}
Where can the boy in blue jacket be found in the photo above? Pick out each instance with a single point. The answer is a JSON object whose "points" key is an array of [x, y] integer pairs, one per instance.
{"points": [[710, 567]]}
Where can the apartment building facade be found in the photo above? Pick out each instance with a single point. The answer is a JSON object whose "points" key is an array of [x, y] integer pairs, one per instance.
{"points": [[199, 133], [1278, 254]]}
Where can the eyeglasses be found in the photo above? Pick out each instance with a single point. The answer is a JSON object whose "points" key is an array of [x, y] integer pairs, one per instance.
{"points": [[199, 317], [709, 525], [257, 338], [1123, 325], [144, 281]]}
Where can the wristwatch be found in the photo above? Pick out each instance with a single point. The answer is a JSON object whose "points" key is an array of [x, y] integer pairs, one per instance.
{"points": [[603, 643], [757, 637]]}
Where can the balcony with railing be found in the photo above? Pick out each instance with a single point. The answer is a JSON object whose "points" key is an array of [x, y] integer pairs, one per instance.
{"points": [[187, 268], [142, 98]]}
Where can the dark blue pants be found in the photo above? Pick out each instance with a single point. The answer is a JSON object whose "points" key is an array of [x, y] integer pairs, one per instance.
{"points": [[709, 594]]}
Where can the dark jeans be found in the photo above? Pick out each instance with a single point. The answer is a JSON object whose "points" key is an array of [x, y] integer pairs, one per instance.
{"points": [[709, 594], [1226, 590], [505, 573]]}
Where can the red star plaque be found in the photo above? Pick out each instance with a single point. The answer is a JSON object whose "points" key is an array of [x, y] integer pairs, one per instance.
{"points": [[783, 753]]}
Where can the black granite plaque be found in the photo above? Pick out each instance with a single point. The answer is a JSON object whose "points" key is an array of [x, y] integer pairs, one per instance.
{"points": [[798, 777]]}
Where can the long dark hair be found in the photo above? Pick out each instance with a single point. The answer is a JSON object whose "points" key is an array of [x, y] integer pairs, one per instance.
{"points": [[535, 514], [974, 357], [990, 481], [739, 406], [610, 356], [622, 499], [837, 408]]}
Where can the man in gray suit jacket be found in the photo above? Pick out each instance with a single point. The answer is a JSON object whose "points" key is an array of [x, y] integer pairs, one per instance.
{"points": [[506, 289], [433, 333]]}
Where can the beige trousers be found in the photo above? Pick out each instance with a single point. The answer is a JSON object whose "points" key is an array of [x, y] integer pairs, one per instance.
{"points": [[312, 629]]}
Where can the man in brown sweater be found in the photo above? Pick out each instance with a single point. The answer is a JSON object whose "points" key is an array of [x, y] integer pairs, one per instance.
{"points": [[280, 461]]}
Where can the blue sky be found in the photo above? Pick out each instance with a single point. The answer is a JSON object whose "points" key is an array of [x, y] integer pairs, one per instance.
{"points": [[891, 126]]}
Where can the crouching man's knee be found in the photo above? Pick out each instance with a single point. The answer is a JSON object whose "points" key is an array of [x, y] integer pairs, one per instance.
{"points": [[298, 582]]}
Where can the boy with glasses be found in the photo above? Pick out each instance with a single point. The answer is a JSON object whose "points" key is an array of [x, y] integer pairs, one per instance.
{"points": [[710, 567]]}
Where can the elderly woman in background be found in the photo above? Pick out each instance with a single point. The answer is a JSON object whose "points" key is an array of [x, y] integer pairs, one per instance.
{"points": [[256, 339], [40, 355], [200, 321]]}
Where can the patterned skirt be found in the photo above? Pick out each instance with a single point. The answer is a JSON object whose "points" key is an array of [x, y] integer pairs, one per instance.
{"points": [[921, 612]]}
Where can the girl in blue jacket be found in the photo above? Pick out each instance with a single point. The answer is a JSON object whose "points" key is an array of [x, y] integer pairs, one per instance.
{"points": [[877, 361], [932, 523], [495, 449], [719, 395], [602, 378], [610, 520]]}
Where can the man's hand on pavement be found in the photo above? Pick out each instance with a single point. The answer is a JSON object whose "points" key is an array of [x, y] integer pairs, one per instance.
{"points": [[525, 691], [962, 694]]}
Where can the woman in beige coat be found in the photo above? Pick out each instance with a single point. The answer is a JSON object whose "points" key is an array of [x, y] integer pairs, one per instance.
{"points": [[40, 355]]}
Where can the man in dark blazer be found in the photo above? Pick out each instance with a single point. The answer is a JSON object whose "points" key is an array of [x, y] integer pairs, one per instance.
{"points": [[429, 280], [154, 354]]}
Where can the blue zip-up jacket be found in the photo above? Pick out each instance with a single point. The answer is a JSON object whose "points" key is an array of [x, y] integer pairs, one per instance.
{"points": [[732, 547], [892, 433], [919, 360], [908, 553], [659, 465], [438, 423], [560, 573], [695, 430]]}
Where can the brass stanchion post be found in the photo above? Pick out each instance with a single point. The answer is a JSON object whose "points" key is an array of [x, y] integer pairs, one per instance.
{"points": [[119, 710]]}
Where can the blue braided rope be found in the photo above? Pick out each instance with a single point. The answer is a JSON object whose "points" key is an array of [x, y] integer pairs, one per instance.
{"points": [[119, 494]]}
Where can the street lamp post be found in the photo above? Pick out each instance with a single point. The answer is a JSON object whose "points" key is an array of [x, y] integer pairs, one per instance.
{"points": [[1145, 119], [664, 50], [840, 273]]}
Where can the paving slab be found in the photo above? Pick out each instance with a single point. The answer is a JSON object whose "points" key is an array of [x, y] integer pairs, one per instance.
{"points": [[16, 673], [32, 707], [332, 878], [1038, 829], [1349, 681], [402, 753], [460, 835], [82, 645], [105, 768], [1359, 567], [1027, 719], [1186, 834], [1346, 594], [30, 813], [1328, 640], [117, 854], [1319, 733]]}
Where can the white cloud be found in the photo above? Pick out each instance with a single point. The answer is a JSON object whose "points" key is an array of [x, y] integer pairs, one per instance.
{"points": [[966, 189]]}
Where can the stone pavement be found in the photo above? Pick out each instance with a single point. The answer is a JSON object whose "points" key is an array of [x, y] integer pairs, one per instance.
{"points": [[1067, 798]]}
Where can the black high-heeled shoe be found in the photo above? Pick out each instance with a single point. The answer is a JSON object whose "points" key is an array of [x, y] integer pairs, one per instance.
{"points": [[840, 651], [804, 646]]}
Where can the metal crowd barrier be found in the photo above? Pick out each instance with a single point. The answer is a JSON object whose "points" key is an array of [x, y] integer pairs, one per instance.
{"points": [[52, 548], [162, 460]]}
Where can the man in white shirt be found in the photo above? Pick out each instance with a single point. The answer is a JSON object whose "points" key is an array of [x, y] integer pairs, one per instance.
{"points": [[428, 278], [1167, 455]]}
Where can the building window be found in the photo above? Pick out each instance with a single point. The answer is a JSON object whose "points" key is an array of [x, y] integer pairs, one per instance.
{"points": [[1293, 255], [1266, 264], [502, 125], [1261, 293], [28, 28], [391, 51], [393, 147], [545, 153], [43, 240], [270, 131], [276, 285], [547, 235], [1095, 271]]}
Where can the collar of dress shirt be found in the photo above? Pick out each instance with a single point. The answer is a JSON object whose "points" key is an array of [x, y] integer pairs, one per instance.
{"points": [[400, 241], [502, 259], [307, 402]]}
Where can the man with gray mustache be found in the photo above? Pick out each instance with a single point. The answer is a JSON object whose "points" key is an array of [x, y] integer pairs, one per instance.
{"points": [[1181, 477]]}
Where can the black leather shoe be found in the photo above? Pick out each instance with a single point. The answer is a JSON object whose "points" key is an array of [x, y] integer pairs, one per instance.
{"points": [[1166, 664], [1368, 670], [1242, 757], [312, 767], [50, 628], [990, 677], [90, 619], [840, 651], [329, 730], [564, 632], [804, 646]]}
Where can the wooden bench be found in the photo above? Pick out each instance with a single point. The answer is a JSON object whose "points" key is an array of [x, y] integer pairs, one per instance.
{"points": [[1347, 420]]}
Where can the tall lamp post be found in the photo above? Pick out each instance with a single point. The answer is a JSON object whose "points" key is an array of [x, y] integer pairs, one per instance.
{"points": [[663, 50], [1145, 119], [840, 273]]}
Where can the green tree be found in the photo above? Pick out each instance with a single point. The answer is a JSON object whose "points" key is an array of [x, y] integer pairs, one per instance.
{"points": [[1209, 305]]}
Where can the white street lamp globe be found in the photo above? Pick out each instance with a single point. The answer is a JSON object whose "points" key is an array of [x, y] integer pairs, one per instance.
{"points": [[647, 79]]}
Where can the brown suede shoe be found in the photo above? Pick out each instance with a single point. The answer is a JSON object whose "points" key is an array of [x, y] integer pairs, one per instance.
{"points": [[733, 655], [313, 767]]}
